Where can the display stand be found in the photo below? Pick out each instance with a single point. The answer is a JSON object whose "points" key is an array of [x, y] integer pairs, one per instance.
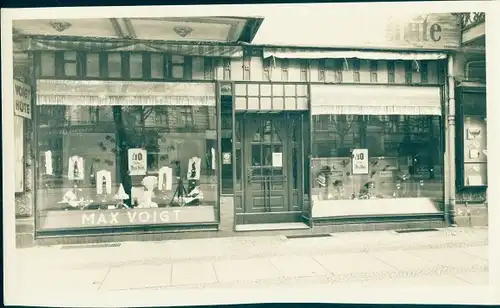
{"points": [[180, 192]]}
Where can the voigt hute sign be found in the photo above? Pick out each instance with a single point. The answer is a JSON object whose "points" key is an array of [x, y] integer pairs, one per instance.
{"points": [[22, 99]]}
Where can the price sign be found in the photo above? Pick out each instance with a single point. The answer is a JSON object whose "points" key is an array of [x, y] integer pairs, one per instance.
{"points": [[360, 161], [137, 161]]}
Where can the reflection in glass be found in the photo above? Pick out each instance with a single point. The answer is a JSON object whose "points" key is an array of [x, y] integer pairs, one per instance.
{"points": [[119, 158], [405, 157]]}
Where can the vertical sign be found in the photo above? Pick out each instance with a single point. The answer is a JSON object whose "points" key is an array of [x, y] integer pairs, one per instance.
{"points": [[137, 161], [360, 161], [22, 100]]}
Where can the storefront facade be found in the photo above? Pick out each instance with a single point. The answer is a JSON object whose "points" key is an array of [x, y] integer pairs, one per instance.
{"points": [[224, 138]]}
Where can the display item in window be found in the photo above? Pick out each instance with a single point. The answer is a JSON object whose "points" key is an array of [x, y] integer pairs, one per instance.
{"points": [[48, 163], [165, 178], [103, 180], [212, 151], [121, 196], [149, 183], [194, 165], [75, 168]]}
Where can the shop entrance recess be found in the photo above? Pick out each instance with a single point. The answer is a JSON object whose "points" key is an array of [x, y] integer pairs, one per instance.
{"points": [[270, 161]]}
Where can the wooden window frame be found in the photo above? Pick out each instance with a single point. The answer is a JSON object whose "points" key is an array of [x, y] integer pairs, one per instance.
{"points": [[373, 71], [424, 72], [391, 71], [356, 67], [285, 64]]}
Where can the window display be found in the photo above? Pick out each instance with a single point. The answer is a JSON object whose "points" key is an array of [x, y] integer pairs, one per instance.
{"points": [[117, 166], [376, 157]]}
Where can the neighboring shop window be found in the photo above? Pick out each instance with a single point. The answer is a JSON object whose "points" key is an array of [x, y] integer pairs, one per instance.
{"points": [[402, 156], [285, 63], [473, 153], [122, 164], [304, 70], [92, 65], [19, 153], [47, 63], [114, 65]]}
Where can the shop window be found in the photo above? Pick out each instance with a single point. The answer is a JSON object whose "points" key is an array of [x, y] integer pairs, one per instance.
{"points": [[321, 70], [47, 64], [126, 172], [401, 163], [157, 66], [92, 68], [136, 65], [209, 68], [115, 65]]}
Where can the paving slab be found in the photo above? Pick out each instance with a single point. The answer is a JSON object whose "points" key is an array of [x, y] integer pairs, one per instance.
{"points": [[475, 278], [137, 276], [63, 280], [298, 266], [186, 273], [480, 251], [250, 269], [350, 263], [449, 257], [420, 281], [402, 260]]}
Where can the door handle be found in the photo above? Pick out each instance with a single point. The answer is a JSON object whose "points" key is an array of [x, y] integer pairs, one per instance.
{"points": [[249, 174]]}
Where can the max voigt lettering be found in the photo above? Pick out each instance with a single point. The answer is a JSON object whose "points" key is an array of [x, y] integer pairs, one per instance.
{"points": [[130, 217]]}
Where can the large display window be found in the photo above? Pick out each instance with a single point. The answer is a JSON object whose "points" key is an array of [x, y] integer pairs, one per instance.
{"points": [[124, 158], [385, 153]]}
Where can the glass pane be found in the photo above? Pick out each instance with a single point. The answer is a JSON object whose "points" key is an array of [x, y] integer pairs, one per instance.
{"points": [[93, 65], [257, 136], [238, 169], [405, 158], [114, 65], [70, 55], [177, 59], [135, 65], [157, 66], [178, 71], [256, 155], [70, 69], [48, 66], [294, 168], [267, 155], [82, 169]]}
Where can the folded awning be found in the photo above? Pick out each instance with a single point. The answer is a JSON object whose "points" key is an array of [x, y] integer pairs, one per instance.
{"points": [[126, 93], [339, 54], [375, 100], [206, 50]]}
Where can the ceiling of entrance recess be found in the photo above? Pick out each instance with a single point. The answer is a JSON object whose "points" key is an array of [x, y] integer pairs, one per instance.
{"points": [[215, 29]]}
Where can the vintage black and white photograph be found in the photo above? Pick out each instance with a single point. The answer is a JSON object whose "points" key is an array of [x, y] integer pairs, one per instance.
{"points": [[324, 146]]}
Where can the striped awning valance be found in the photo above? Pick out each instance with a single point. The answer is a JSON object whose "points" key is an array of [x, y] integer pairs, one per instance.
{"points": [[36, 44]]}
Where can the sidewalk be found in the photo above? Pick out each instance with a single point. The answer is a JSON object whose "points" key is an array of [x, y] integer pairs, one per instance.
{"points": [[452, 256]]}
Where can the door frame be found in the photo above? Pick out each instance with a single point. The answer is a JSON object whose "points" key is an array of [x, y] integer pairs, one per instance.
{"points": [[294, 212]]}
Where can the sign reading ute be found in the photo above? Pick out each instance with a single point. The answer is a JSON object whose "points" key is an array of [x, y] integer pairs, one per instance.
{"points": [[22, 99]]}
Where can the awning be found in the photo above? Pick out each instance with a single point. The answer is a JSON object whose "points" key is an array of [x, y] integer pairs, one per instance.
{"points": [[106, 93], [207, 50], [338, 54], [375, 100]]}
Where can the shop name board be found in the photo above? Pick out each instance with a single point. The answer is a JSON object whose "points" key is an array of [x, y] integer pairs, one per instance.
{"points": [[22, 99], [106, 218], [436, 31], [420, 31]]}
